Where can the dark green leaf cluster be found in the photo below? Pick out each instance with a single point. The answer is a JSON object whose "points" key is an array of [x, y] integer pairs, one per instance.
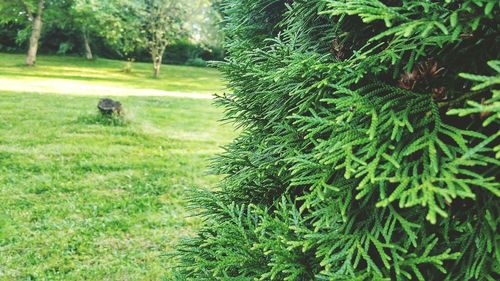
{"points": [[366, 152]]}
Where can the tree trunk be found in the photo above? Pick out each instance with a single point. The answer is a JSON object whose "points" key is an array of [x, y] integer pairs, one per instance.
{"points": [[86, 43], [157, 59], [35, 34]]}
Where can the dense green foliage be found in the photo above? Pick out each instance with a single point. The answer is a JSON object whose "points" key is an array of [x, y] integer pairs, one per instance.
{"points": [[368, 144]]}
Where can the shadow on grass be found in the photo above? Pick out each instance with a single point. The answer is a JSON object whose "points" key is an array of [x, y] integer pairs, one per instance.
{"points": [[104, 120]]}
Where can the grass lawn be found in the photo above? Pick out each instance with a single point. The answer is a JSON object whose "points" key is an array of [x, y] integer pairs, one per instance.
{"points": [[110, 73], [82, 198]]}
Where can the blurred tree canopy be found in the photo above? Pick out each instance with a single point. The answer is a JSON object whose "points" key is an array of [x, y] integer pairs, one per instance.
{"points": [[112, 29]]}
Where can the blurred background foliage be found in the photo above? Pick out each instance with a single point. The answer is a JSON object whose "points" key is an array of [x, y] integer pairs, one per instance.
{"points": [[65, 21]]}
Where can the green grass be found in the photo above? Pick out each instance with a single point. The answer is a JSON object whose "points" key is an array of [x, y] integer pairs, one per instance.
{"points": [[110, 72], [83, 198]]}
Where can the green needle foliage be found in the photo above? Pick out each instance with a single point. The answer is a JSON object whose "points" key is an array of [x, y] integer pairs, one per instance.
{"points": [[368, 151]]}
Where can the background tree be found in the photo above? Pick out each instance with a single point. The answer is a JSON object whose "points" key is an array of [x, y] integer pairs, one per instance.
{"points": [[354, 162], [116, 21], [30, 14], [34, 16], [203, 22], [34, 11], [112, 29], [85, 14], [163, 23]]}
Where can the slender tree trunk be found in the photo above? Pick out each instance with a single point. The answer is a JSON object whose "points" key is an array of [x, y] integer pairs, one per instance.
{"points": [[157, 66], [35, 34], [157, 57], [86, 43]]}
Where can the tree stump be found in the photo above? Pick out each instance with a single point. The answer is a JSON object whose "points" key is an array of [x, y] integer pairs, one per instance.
{"points": [[109, 107]]}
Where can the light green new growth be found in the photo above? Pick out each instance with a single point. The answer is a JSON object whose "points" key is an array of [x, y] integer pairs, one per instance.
{"points": [[365, 153]]}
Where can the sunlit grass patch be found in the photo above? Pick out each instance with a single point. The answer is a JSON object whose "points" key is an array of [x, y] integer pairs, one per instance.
{"points": [[110, 73]]}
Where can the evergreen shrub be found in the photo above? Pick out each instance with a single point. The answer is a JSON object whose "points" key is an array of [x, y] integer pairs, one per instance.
{"points": [[369, 146]]}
